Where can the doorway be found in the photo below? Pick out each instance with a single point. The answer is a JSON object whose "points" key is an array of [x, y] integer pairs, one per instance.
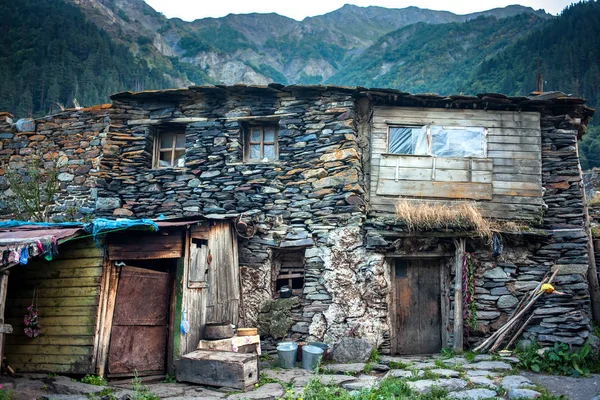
{"points": [[140, 327], [417, 306]]}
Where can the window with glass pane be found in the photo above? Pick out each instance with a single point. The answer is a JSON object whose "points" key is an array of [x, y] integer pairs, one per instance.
{"points": [[407, 140], [457, 141], [170, 150], [261, 143]]}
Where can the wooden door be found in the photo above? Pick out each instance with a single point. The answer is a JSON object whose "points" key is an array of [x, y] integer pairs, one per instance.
{"points": [[418, 312], [138, 340]]}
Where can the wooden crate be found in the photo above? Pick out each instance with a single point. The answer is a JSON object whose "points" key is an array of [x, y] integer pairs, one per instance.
{"points": [[218, 368]]}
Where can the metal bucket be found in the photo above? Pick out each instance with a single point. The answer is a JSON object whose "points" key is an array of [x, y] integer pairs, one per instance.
{"points": [[311, 355], [287, 352]]}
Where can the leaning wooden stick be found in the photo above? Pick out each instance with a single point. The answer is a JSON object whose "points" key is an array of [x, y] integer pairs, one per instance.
{"points": [[514, 319], [521, 329]]}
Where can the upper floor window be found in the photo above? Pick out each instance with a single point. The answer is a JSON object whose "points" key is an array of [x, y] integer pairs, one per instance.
{"points": [[169, 149], [438, 141], [260, 143]]}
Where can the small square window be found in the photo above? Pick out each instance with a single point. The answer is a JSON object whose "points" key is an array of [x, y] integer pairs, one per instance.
{"points": [[169, 150], [260, 143], [290, 270]]}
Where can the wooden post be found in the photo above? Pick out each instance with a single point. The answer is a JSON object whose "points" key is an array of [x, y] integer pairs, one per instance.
{"points": [[460, 245], [3, 290], [592, 273], [106, 328]]}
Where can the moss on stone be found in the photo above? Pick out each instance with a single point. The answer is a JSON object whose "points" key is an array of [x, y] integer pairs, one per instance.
{"points": [[275, 318]]}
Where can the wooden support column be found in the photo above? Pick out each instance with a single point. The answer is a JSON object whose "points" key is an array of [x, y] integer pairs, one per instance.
{"points": [[108, 305], [592, 272], [4, 329], [460, 246]]}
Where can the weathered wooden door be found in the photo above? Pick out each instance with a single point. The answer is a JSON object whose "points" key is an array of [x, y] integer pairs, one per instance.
{"points": [[418, 312], [138, 340]]}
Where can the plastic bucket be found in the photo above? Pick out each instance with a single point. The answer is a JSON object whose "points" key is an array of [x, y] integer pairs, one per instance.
{"points": [[287, 352], [311, 355]]}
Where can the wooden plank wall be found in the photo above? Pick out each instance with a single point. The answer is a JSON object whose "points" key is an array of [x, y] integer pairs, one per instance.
{"points": [[219, 299], [514, 149], [68, 298]]}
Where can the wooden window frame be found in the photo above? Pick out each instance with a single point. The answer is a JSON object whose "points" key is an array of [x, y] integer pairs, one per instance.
{"points": [[157, 149], [248, 142], [429, 139]]}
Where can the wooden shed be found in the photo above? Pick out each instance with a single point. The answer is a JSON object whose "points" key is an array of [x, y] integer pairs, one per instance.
{"points": [[115, 305]]}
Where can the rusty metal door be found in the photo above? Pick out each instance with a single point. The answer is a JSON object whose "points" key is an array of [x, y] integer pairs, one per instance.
{"points": [[418, 312], [138, 340]]}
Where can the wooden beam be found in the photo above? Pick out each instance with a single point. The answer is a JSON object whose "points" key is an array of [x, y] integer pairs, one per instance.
{"points": [[104, 340], [3, 327], [460, 245]]}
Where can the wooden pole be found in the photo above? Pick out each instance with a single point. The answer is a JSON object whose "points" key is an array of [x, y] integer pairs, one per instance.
{"points": [[3, 290], [460, 245], [592, 273]]}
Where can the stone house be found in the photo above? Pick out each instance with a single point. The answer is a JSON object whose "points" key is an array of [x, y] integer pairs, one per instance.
{"points": [[300, 186]]}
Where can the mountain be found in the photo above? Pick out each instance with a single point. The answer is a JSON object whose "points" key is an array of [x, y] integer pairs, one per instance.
{"points": [[261, 48], [424, 57], [51, 54]]}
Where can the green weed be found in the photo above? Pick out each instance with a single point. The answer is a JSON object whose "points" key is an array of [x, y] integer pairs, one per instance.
{"points": [[559, 360], [94, 380], [374, 357], [141, 392], [170, 379]]}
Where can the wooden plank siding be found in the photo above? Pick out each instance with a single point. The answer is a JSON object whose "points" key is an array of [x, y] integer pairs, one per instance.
{"points": [[507, 184], [218, 300], [68, 298]]}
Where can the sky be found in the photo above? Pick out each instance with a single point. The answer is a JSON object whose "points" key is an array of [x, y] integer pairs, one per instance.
{"points": [[193, 9]]}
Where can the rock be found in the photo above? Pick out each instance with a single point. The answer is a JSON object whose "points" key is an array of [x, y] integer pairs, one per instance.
{"points": [[25, 125], [425, 385], [122, 212], [360, 383], [65, 177], [352, 350], [490, 365], [423, 365], [523, 394], [287, 375], [314, 173], [374, 239], [447, 373], [482, 357], [515, 382], [482, 381], [396, 360], [404, 373], [210, 173], [339, 155], [482, 372], [507, 301], [496, 273], [108, 203], [473, 394], [594, 342], [339, 180], [65, 385], [345, 368], [331, 380], [455, 361], [380, 367], [265, 392]]}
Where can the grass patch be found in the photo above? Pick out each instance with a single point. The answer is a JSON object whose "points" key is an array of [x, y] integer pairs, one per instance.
{"points": [[389, 388], [368, 368], [141, 392], [374, 356], [421, 215], [94, 380], [107, 393], [263, 379], [170, 379], [397, 365]]}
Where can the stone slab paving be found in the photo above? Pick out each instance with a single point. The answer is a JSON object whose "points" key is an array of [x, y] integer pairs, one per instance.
{"points": [[484, 378]]}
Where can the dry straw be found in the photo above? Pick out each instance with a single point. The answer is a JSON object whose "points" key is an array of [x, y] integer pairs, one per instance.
{"points": [[421, 215]]}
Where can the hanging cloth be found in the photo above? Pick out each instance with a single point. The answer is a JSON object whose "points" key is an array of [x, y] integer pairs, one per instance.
{"points": [[31, 320]]}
